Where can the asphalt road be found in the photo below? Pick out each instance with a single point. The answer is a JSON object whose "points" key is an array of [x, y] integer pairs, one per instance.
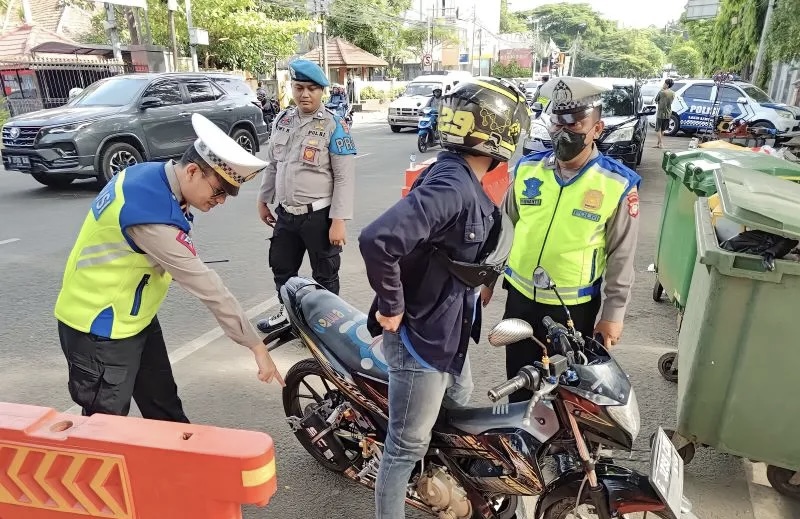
{"points": [[217, 377]]}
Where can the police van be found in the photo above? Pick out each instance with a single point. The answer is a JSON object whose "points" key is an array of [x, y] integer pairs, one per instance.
{"points": [[694, 103]]}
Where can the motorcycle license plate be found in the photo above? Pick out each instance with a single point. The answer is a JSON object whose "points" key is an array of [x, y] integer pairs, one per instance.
{"points": [[666, 473]]}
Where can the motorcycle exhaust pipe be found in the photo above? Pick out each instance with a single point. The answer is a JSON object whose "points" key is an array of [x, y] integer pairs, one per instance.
{"points": [[315, 428]]}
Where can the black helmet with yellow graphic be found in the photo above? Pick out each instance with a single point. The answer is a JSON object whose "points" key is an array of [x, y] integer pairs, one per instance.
{"points": [[484, 116]]}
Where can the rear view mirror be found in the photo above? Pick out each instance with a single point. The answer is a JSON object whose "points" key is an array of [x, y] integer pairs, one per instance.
{"points": [[742, 100], [149, 102], [509, 331]]}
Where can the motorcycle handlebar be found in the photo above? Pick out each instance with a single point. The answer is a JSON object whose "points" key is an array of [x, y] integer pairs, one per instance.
{"points": [[528, 378], [558, 329]]}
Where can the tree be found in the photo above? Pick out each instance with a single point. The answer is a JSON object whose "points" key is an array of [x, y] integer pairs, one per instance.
{"points": [[510, 22], [373, 25], [512, 70], [562, 23], [784, 35], [737, 30], [701, 35], [622, 53], [241, 35], [686, 59]]}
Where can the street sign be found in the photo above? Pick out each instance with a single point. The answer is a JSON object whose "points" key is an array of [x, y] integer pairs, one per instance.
{"points": [[427, 60]]}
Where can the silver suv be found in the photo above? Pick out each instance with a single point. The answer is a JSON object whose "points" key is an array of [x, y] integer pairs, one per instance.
{"points": [[122, 120]]}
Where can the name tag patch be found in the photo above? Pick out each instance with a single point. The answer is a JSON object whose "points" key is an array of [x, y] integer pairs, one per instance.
{"points": [[530, 201], [318, 133], [586, 215]]}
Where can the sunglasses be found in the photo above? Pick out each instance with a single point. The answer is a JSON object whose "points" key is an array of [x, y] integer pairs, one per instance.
{"points": [[215, 191]]}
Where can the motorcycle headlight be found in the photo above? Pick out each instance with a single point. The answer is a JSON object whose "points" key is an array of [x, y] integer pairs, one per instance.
{"points": [[627, 416], [67, 128], [539, 132], [624, 133]]}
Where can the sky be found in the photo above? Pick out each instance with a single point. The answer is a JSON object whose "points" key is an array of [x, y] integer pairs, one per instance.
{"points": [[632, 13]]}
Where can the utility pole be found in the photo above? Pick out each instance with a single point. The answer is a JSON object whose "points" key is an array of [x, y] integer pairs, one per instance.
{"points": [[762, 44], [192, 46], [172, 6], [472, 48], [111, 26], [324, 14], [480, 51]]}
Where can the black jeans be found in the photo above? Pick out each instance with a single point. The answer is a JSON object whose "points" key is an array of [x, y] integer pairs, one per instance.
{"points": [[527, 352], [292, 237], [105, 373]]}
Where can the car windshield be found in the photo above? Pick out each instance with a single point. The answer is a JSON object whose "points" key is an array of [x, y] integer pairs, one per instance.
{"points": [[617, 102], [421, 89], [758, 95], [111, 92]]}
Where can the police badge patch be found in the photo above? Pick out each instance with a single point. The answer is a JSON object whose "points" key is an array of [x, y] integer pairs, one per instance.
{"points": [[310, 154], [592, 200]]}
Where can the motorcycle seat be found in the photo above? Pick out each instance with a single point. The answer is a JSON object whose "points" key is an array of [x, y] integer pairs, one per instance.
{"points": [[342, 331]]}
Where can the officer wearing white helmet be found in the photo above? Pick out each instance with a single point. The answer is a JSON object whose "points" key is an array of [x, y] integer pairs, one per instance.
{"points": [[576, 214], [134, 241]]}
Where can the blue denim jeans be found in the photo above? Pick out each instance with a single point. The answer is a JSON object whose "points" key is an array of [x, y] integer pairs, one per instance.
{"points": [[416, 394]]}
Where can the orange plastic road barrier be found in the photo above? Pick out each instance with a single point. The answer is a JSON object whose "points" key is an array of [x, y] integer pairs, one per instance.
{"points": [[495, 183], [61, 466]]}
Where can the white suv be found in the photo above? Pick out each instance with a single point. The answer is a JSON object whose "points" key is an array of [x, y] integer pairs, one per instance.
{"points": [[694, 102]]}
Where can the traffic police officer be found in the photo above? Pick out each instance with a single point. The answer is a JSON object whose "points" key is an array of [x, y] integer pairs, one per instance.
{"points": [[576, 214], [311, 178], [135, 239]]}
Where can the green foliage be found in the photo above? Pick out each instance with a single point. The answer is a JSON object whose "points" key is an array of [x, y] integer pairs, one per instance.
{"points": [[784, 35], [735, 38], [510, 22], [396, 92], [373, 25], [686, 59], [241, 33], [370, 92], [562, 22], [701, 35], [512, 70]]}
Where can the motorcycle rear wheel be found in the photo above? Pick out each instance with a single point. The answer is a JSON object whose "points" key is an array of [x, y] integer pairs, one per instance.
{"points": [[566, 509], [296, 386]]}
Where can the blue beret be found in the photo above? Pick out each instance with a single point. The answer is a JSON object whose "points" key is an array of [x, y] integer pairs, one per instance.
{"points": [[305, 70]]}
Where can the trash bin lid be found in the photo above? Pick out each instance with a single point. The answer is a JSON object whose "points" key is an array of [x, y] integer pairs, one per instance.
{"points": [[759, 200]]}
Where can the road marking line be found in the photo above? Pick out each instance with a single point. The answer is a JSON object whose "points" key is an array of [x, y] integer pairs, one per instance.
{"points": [[362, 155], [202, 341], [11, 240]]}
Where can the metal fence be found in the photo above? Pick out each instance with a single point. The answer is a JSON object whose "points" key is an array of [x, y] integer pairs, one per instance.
{"points": [[30, 85]]}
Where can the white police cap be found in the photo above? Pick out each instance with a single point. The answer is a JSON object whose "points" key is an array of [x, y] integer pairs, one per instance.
{"points": [[572, 98], [231, 162]]}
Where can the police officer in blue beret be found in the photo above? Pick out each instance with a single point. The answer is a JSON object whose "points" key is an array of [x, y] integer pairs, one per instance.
{"points": [[311, 179]]}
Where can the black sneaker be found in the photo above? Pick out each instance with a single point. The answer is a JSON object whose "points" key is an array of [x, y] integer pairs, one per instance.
{"points": [[272, 323]]}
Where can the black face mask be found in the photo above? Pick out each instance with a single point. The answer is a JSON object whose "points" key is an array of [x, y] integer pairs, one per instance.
{"points": [[568, 144]]}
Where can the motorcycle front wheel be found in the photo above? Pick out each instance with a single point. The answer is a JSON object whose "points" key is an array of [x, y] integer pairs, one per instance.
{"points": [[307, 385], [566, 509], [422, 143]]}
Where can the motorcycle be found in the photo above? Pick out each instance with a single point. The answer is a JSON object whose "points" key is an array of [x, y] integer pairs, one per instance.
{"points": [[427, 130], [480, 460], [342, 110], [269, 110]]}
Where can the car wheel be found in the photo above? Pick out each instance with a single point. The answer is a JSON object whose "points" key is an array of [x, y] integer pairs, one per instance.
{"points": [[52, 180], [674, 126], [245, 139], [395, 129], [116, 157]]}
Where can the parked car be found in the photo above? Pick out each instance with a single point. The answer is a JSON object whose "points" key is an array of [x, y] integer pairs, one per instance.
{"points": [[406, 110], [694, 103], [625, 118], [122, 120]]}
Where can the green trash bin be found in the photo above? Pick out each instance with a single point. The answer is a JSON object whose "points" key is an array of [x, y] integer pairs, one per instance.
{"points": [[691, 175], [738, 349]]}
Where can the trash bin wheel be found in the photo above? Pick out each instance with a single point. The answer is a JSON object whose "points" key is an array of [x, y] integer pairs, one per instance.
{"points": [[783, 480], [658, 291], [686, 452], [665, 366]]}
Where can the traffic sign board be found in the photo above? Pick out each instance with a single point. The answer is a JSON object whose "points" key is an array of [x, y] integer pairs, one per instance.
{"points": [[426, 59]]}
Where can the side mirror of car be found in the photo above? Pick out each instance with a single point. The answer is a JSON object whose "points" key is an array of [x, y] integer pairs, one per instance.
{"points": [[742, 100], [149, 102], [537, 109], [648, 110]]}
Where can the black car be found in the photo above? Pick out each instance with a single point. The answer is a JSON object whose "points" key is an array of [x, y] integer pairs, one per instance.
{"points": [[122, 120], [625, 118]]}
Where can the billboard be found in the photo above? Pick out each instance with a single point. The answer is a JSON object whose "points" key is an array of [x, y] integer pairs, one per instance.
{"points": [[523, 57], [701, 9]]}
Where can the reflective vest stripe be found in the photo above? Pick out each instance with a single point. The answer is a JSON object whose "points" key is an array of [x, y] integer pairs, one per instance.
{"points": [[566, 293], [105, 258], [94, 249]]}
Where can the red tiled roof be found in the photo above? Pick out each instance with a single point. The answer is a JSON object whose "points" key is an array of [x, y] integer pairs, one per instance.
{"points": [[342, 53]]}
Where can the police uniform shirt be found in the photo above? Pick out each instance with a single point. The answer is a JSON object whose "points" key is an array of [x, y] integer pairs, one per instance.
{"points": [[303, 146], [171, 250], [622, 231]]}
